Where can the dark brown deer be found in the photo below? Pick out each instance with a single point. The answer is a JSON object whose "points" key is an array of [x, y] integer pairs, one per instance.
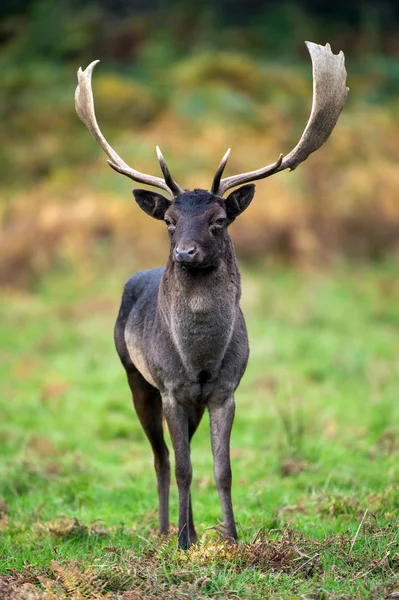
{"points": [[180, 332]]}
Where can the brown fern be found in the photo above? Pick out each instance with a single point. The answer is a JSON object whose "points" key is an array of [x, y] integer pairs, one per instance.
{"points": [[79, 585]]}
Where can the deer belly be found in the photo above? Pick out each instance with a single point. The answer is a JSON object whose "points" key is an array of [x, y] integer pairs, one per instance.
{"points": [[138, 359]]}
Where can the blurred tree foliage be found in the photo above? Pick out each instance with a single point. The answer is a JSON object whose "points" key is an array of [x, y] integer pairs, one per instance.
{"points": [[68, 29], [195, 78]]}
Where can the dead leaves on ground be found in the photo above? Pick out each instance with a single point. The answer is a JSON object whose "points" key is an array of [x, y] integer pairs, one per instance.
{"points": [[64, 527], [63, 582], [163, 571]]}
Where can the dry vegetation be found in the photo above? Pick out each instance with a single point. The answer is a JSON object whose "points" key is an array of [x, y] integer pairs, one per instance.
{"points": [[62, 205], [164, 572]]}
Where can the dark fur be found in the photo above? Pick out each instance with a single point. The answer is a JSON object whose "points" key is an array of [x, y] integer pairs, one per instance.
{"points": [[182, 326]]}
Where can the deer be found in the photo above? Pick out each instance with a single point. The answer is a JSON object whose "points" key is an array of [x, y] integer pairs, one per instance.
{"points": [[180, 333]]}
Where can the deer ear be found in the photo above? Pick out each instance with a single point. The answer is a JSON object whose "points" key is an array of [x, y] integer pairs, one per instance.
{"points": [[152, 203], [239, 200]]}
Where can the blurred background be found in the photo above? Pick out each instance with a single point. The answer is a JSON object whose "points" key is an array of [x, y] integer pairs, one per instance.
{"points": [[316, 436], [195, 78]]}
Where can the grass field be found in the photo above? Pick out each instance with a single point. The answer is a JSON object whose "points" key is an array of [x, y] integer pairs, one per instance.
{"points": [[314, 448]]}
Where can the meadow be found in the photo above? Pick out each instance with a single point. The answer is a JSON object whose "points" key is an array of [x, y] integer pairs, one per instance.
{"points": [[314, 448], [316, 435]]}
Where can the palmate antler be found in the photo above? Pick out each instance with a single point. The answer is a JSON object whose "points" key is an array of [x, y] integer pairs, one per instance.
{"points": [[84, 104], [329, 96]]}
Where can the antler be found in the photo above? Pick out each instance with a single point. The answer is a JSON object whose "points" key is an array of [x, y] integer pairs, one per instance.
{"points": [[219, 172], [329, 96], [84, 104]]}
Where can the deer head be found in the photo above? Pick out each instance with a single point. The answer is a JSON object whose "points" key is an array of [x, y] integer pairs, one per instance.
{"points": [[197, 220]]}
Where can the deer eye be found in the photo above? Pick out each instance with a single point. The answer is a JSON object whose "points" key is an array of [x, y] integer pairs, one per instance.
{"points": [[220, 221], [168, 222]]}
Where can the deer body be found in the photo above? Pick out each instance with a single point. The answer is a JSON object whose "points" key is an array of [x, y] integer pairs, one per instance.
{"points": [[180, 333], [182, 339], [157, 327]]}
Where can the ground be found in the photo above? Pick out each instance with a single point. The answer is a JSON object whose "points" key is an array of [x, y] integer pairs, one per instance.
{"points": [[314, 448]]}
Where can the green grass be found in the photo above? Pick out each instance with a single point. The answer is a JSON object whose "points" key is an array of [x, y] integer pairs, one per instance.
{"points": [[314, 446]]}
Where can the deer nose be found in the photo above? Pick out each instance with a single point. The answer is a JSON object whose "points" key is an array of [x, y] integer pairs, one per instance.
{"points": [[185, 254]]}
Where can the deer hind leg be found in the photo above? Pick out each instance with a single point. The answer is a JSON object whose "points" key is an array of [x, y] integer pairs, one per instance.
{"points": [[148, 404], [221, 421]]}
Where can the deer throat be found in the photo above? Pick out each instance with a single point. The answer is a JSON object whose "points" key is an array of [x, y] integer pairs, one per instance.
{"points": [[202, 321]]}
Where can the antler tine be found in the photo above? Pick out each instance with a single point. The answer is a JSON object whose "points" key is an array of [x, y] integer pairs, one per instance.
{"points": [[173, 186], [329, 96], [84, 104], [219, 173]]}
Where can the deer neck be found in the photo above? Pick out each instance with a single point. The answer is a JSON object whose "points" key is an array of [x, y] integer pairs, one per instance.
{"points": [[200, 307]]}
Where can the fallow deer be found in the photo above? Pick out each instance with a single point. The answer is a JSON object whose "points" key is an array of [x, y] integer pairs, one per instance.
{"points": [[180, 333]]}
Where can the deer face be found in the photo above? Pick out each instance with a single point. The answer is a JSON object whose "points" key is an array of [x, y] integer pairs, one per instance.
{"points": [[196, 222]]}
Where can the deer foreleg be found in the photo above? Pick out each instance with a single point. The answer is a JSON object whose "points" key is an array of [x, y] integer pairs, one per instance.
{"points": [[221, 421], [177, 418]]}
